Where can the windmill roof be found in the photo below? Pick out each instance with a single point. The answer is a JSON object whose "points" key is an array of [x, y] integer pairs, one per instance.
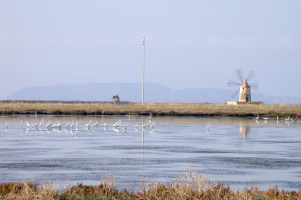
{"points": [[245, 84]]}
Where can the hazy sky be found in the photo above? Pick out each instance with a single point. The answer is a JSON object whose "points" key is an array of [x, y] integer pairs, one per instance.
{"points": [[189, 44]]}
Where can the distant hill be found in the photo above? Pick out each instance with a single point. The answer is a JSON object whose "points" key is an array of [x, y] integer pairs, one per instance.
{"points": [[154, 92]]}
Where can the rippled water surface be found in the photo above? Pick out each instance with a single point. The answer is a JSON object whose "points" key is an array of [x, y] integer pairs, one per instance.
{"points": [[236, 151]]}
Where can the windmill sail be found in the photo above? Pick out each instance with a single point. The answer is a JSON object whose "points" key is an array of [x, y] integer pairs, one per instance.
{"points": [[233, 83], [234, 94], [245, 92], [250, 76], [254, 86], [239, 75]]}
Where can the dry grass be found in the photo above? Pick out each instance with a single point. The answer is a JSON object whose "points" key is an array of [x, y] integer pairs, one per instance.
{"points": [[149, 108], [28, 190], [189, 185]]}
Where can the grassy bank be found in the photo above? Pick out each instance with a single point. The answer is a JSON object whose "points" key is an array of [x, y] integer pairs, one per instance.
{"points": [[189, 185], [149, 108]]}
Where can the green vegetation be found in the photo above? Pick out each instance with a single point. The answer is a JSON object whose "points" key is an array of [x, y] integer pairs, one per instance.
{"points": [[171, 109], [189, 185]]}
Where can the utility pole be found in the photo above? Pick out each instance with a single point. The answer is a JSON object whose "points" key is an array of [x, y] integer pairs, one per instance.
{"points": [[143, 70]]}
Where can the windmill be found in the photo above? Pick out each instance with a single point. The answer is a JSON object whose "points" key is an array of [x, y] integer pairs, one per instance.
{"points": [[243, 85]]}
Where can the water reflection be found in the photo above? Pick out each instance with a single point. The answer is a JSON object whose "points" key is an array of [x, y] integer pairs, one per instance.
{"points": [[103, 123], [244, 130], [140, 147]]}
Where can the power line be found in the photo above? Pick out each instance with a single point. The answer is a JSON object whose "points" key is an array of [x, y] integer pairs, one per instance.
{"points": [[226, 55], [73, 47], [155, 46], [71, 53], [226, 48]]}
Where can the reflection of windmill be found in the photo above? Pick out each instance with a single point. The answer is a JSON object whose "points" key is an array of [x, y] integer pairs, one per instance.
{"points": [[244, 88], [244, 130]]}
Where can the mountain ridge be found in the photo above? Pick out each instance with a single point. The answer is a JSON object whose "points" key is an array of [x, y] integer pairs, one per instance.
{"points": [[154, 93]]}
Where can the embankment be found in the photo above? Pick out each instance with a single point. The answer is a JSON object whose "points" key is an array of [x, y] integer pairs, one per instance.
{"points": [[171, 109]]}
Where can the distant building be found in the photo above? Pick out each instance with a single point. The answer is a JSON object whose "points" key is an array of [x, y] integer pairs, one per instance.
{"points": [[116, 99], [244, 96], [245, 93]]}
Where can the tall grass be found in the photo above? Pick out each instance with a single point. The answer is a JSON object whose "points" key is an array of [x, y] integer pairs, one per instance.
{"points": [[189, 185], [151, 108]]}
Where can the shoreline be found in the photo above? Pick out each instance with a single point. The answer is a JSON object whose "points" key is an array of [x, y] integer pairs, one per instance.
{"points": [[162, 109], [189, 185]]}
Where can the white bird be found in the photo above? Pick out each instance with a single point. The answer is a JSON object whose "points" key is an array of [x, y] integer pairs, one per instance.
{"points": [[41, 123], [151, 125], [95, 124], [71, 125], [277, 117], [265, 118], [287, 119], [88, 124], [68, 124], [36, 125], [76, 133], [129, 117], [35, 112], [21, 123], [136, 126], [117, 123], [208, 127], [76, 124], [257, 117], [59, 126], [49, 125], [27, 124]]}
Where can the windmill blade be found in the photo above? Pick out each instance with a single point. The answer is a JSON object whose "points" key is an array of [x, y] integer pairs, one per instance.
{"points": [[233, 83], [239, 75], [250, 76], [254, 86], [234, 94]]}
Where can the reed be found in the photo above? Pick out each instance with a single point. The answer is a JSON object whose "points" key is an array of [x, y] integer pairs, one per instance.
{"points": [[179, 109], [189, 185]]}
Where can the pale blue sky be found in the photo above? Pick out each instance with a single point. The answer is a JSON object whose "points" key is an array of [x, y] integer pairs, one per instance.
{"points": [[189, 44]]}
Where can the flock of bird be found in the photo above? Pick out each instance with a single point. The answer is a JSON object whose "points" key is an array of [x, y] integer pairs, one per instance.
{"points": [[287, 120], [70, 126]]}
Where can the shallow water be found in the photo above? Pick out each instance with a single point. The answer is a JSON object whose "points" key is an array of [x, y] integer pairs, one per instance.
{"points": [[240, 152]]}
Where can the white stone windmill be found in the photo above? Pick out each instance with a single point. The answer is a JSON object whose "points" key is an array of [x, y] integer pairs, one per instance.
{"points": [[243, 87]]}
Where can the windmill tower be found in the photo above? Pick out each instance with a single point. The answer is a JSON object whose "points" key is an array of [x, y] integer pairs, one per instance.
{"points": [[243, 87], [245, 92]]}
